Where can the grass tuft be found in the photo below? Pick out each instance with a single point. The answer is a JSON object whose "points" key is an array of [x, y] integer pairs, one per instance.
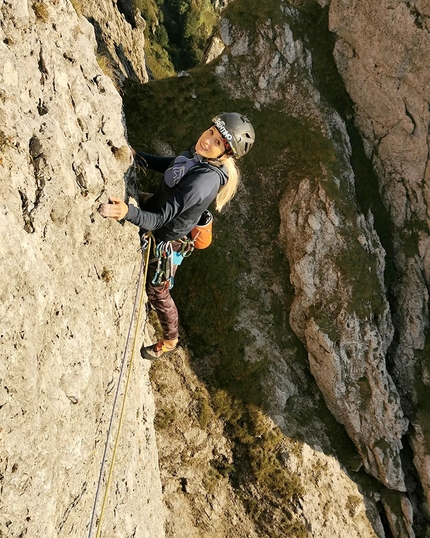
{"points": [[108, 68], [4, 140], [107, 275]]}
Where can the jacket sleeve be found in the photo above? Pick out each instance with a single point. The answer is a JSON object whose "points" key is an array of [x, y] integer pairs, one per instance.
{"points": [[154, 162], [190, 192]]}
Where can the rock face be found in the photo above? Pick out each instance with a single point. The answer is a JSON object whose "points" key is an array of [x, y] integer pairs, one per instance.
{"points": [[382, 53], [332, 504], [346, 335], [119, 32], [67, 287]]}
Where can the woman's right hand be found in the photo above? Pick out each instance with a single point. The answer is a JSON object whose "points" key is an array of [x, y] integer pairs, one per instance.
{"points": [[116, 209]]}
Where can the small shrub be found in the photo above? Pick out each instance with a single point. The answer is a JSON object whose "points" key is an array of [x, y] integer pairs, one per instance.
{"points": [[352, 504], [210, 480], [157, 60], [148, 9], [161, 36], [122, 154], [164, 418], [204, 409], [227, 408], [4, 140], [106, 275]]}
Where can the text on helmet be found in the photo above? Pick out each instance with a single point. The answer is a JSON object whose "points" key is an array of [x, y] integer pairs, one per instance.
{"points": [[220, 125]]}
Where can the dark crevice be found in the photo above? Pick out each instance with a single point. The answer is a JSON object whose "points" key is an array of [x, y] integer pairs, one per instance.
{"points": [[71, 506], [416, 15], [37, 159], [69, 58], [413, 485], [183, 482], [42, 109], [126, 8], [42, 68], [26, 213], [409, 115], [127, 65], [103, 50], [384, 521], [80, 180]]}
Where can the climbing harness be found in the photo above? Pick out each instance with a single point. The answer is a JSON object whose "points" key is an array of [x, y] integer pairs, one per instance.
{"points": [[146, 246], [167, 257]]}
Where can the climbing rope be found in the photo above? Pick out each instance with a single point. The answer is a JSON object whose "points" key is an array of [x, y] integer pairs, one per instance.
{"points": [[139, 291]]}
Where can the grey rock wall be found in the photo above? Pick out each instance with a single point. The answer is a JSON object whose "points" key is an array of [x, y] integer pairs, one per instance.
{"points": [[316, 235], [119, 31], [382, 52], [67, 287]]}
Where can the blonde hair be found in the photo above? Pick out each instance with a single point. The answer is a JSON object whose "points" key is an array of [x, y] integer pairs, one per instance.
{"points": [[227, 191]]}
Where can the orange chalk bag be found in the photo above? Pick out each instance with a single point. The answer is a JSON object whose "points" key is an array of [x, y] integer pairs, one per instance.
{"points": [[201, 235]]}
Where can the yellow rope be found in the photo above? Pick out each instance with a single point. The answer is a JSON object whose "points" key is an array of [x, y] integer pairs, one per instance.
{"points": [[121, 417]]}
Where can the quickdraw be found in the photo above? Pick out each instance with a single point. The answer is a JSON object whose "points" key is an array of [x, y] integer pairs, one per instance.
{"points": [[164, 255], [187, 247]]}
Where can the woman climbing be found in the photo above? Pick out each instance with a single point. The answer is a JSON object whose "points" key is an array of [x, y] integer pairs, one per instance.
{"points": [[205, 172]]}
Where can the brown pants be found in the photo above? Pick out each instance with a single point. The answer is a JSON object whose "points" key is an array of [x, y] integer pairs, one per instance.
{"points": [[161, 300]]}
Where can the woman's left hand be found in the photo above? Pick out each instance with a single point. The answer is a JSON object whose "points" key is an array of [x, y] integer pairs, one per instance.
{"points": [[116, 209]]}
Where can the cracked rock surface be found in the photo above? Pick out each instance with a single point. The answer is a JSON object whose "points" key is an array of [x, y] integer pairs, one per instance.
{"points": [[66, 287], [383, 54]]}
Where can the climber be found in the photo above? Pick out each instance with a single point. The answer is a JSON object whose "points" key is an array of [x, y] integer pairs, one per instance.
{"points": [[203, 173]]}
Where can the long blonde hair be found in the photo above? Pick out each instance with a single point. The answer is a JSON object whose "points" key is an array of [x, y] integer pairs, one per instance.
{"points": [[227, 191]]}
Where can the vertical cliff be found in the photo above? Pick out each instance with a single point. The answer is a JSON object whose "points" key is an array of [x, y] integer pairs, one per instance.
{"points": [[383, 56], [363, 323], [67, 287]]}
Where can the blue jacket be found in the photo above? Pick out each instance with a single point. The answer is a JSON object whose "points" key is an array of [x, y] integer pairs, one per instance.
{"points": [[173, 211]]}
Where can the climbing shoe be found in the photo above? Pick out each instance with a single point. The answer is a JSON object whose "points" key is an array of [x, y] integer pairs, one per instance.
{"points": [[157, 350]]}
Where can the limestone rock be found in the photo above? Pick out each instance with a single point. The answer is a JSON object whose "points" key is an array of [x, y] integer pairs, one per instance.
{"points": [[346, 336], [67, 287], [68, 277], [382, 53], [201, 502], [340, 310], [345, 347], [119, 30], [215, 49]]}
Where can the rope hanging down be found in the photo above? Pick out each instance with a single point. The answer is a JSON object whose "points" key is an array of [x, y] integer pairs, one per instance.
{"points": [[139, 291]]}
